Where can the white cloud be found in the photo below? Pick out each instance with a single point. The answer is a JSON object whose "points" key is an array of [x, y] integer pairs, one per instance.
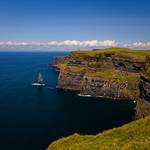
{"points": [[139, 45], [69, 45]]}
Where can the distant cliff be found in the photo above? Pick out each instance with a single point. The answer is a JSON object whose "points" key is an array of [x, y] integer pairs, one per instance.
{"points": [[115, 72]]}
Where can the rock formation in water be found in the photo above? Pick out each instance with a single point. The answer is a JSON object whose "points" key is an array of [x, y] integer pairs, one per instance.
{"points": [[115, 72]]}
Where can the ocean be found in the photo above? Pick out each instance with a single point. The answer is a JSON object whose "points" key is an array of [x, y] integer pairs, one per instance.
{"points": [[32, 118]]}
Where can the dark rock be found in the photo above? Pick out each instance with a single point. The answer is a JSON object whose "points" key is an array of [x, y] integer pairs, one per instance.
{"points": [[58, 60], [125, 88], [142, 109]]}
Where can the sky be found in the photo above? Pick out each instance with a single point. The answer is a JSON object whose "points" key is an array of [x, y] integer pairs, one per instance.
{"points": [[71, 24]]}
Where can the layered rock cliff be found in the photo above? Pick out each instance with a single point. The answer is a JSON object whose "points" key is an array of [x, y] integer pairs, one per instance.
{"points": [[143, 104], [115, 72]]}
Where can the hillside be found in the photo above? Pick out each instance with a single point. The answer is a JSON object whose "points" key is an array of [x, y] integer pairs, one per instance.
{"points": [[132, 136]]}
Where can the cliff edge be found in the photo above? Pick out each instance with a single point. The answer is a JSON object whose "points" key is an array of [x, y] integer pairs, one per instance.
{"points": [[132, 136], [114, 72]]}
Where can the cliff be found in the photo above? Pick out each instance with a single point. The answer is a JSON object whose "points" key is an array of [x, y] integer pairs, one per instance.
{"points": [[143, 104], [114, 72], [132, 136]]}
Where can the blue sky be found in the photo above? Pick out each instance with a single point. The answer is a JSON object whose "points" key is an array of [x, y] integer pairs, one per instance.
{"points": [[124, 21]]}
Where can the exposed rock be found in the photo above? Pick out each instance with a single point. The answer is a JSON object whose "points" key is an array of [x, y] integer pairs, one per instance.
{"points": [[127, 65], [116, 73], [58, 60], [145, 89], [142, 108], [70, 80], [143, 103], [109, 88]]}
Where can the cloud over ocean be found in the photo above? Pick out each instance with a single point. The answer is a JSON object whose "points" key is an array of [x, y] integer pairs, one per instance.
{"points": [[68, 45]]}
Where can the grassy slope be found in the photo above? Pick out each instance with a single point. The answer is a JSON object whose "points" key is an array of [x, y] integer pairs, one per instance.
{"points": [[132, 136], [138, 55], [115, 74]]}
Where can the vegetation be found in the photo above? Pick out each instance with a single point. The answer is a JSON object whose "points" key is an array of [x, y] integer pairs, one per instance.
{"points": [[105, 73], [76, 69], [62, 66], [132, 136], [114, 74], [138, 55], [72, 69], [146, 71], [88, 58], [99, 64]]}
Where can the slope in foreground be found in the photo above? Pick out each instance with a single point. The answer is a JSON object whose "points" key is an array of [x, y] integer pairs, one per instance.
{"points": [[132, 136]]}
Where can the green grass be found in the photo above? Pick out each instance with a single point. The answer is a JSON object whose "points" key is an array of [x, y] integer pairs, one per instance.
{"points": [[75, 69], [109, 74], [72, 69], [133, 55], [132, 136], [105, 73], [137, 55]]}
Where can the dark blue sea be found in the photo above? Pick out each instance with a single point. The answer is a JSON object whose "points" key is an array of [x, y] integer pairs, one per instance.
{"points": [[31, 118]]}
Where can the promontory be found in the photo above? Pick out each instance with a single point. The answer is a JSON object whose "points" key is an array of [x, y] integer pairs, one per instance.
{"points": [[118, 73]]}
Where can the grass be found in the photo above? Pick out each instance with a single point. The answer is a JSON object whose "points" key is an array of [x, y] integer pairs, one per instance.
{"points": [[137, 55], [105, 73], [132, 136], [76, 69], [109, 74], [72, 69], [134, 55]]}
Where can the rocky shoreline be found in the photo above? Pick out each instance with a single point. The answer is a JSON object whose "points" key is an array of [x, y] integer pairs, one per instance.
{"points": [[117, 73]]}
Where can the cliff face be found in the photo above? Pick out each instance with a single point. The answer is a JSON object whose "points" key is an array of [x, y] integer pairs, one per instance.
{"points": [[116, 73], [143, 104], [59, 60], [96, 86]]}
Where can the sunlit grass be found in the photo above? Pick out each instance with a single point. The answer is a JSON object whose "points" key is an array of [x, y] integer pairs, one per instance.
{"points": [[123, 52], [132, 136]]}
